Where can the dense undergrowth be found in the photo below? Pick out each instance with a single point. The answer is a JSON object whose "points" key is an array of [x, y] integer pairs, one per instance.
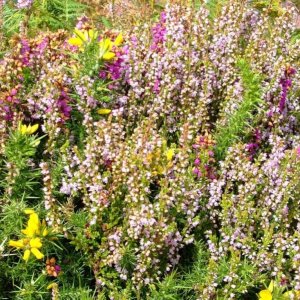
{"points": [[155, 159]]}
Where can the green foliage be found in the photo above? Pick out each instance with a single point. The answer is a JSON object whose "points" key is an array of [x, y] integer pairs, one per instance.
{"points": [[22, 177], [12, 18], [47, 14], [166, 289], [214, 7], [242, 118], [65, 10]]}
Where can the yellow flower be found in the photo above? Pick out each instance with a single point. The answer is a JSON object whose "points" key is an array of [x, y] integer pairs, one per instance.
{"points": [[30, 246], [82, 37], [24, 129], [32, 243], [108, 55], [119, 40], [104, 111], [33, 226], [267, 294], [170, 154], [105, 46]]}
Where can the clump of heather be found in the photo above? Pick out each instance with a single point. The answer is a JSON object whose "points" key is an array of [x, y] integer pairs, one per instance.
{"points": [[181, 135]]}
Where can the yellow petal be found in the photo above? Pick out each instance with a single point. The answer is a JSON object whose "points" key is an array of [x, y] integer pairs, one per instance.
{"points": [[170, 154], [29, 232], [29, 211], [23, 129], [108, 55], [37, 253], [265, 295], [105, 45], [119, 40], [108, 44], [34, 220], [81, 34], [16, 244], [74, 41], [45, 232], [33, 129], [104, 111], [35, 243], [26, 255], [33, 225]]}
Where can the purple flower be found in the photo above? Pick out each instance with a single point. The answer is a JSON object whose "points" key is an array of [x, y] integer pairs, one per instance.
{"points": [[81, 22], [197, 172], [115, 69], [285, 83], [62, 104], [156, 86], [57, 269], [8, 113], [251, 148], [25, 50], [159, 34], [42, 45], [197, 162]]}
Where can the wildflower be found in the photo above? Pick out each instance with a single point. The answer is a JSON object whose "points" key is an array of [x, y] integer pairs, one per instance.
{"points": [[170, 154], [197, 162], [267, 294], [82, 37], [106, 45], [31, 243], [24, 4], [33, 225], [104, 111], [52, 268], [24, 129], [119, 40]]}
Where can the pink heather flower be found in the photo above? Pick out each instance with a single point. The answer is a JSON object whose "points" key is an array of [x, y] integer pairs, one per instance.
{"points": [[298, 152], [25, 50], [23, 4], [197, 162], [197, 172], [156, 87]]}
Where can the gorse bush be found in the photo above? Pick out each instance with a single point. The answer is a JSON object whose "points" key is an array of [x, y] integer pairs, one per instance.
{"points": [[164, 160]]}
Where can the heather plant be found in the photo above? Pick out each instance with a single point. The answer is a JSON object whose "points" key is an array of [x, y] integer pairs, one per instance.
{"points": [[164, 161]]}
